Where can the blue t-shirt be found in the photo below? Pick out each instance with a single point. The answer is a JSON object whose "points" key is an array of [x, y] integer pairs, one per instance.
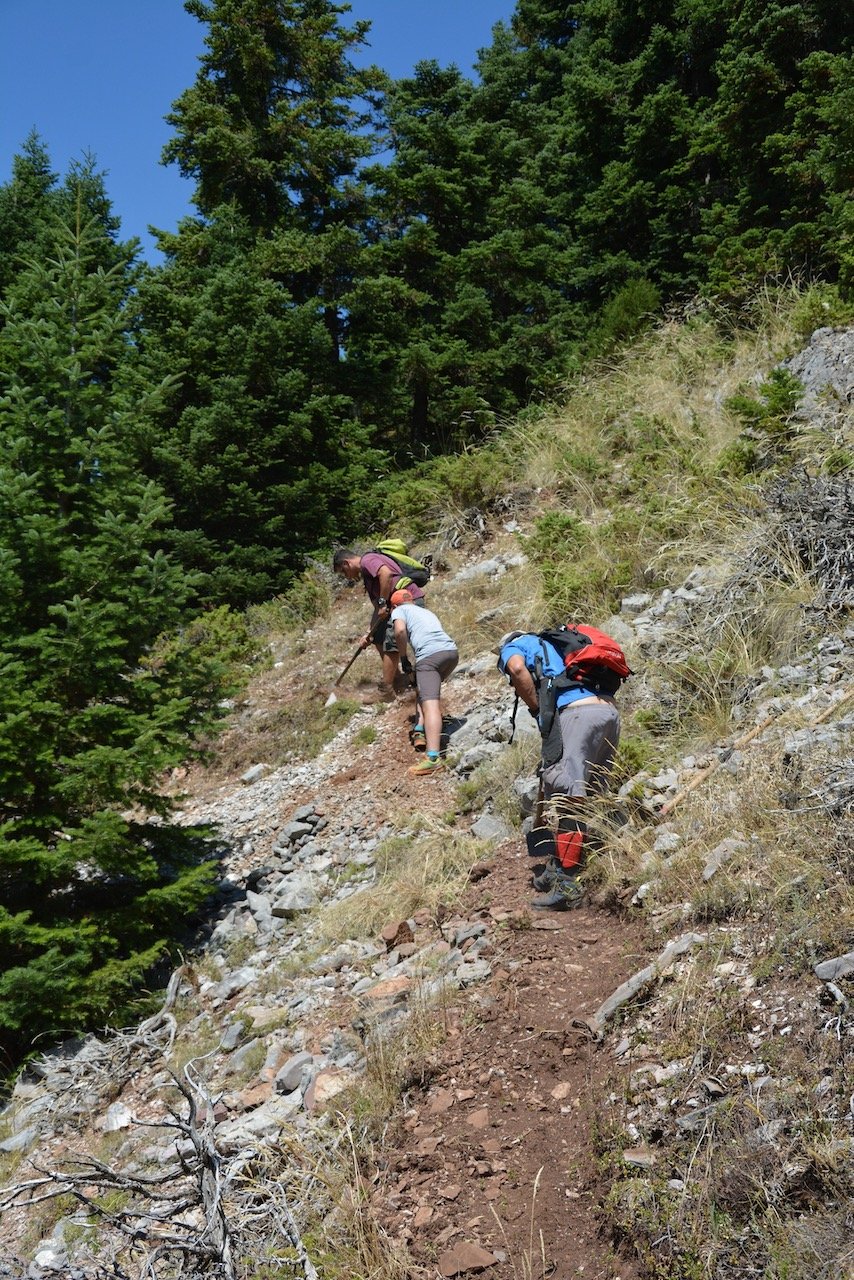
{"points": [[530, 647]]}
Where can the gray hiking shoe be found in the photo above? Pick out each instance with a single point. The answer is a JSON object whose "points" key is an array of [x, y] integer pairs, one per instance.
{"points": [[564, 895]]}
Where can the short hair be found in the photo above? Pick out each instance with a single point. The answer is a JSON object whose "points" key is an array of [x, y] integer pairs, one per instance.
{"points": [[342, 555]]}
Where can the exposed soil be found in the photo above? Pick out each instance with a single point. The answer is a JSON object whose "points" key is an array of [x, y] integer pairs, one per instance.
{"points": [[513, 1100], [513, 1094]]}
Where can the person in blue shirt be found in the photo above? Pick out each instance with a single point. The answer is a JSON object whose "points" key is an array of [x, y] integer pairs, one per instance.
{"points": [[589, 732]]}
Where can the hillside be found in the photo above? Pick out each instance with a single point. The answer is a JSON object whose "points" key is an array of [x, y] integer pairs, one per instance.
{"points": [[376, 1061]]}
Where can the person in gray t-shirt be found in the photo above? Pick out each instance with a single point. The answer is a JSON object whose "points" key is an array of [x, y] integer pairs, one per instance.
{"points": [[435, 658]]}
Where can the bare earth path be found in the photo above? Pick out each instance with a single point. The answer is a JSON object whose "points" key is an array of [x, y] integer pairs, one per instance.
{"points": [[512, 1095], [514, 1088]]}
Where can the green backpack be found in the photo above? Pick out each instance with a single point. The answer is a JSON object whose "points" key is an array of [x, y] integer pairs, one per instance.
{"points": [[412, 570]]}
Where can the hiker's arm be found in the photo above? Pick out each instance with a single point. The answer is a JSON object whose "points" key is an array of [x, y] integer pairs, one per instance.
{"points": [[375, 632], [382, 608], [522, 681], [401, 636], [386, 579]]}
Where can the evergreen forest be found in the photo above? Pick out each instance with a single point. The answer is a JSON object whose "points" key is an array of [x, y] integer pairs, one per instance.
{"points": [[377, 275]]}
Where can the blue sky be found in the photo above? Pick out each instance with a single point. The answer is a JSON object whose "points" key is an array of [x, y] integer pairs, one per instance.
{"points": [[98, 76]]}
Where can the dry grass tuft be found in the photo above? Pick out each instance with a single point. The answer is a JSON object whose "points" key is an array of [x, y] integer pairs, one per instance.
{"points": [[412, 872]]}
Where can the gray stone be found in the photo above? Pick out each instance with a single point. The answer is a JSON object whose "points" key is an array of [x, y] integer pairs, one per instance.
{"points": [[244, 1053], [27, 1090], [231, 1036], [666, 842], [261, 907], [476, 756], [289, 1077], [527, 790], [234, 982], [471, 732], [37, 1111], [297, 894], [483, 569], [472, 971], [49, 1257], [840, 967], [721, 854], [467, 931], [826, 368], [333, 961], [526, 726], [266, 1121], [488, 827], [480, 666], [118, 1116], [633, 605], [254, 773], [292, 832], [305, 813], [21, 1141]]}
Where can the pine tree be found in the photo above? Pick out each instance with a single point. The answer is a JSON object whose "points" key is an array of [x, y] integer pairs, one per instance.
{"points": [[416, 330], [25, 205], [265, 455], [780, 141], [88, 718]]}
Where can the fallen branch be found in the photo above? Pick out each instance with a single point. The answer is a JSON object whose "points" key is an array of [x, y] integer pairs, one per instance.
{"points": [[701, 777]]}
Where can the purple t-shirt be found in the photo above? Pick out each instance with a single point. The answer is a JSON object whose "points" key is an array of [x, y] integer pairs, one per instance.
{"points": [[371, 565]]}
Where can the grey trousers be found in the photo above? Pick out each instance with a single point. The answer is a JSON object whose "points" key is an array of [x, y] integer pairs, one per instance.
{"points": [[590, 732]]}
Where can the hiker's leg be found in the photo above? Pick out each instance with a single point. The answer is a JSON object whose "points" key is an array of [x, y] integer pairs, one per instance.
{"points": [[387, 647], [603, 749], [390, 665], [571, 835], [432, 710], [429, 673], [429, 685], [566, 784], [590, 733]]}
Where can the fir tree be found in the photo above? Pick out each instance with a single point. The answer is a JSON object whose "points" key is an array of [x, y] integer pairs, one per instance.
{"points": [[87, 719], [265, 454], [264, 457], [25, 206]]}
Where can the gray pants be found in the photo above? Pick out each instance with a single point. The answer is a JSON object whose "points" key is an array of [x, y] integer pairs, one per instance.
{"points": [[590, 732], [431, 671]]}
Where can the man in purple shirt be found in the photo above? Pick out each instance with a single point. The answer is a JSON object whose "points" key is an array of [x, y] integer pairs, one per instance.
{"points": [[379, 575]]}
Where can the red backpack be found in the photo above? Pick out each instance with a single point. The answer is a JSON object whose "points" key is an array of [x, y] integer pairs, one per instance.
{"points": [[591, 658]]}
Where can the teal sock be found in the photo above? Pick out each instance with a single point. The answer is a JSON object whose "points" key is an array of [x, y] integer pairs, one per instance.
{"points": [[432, 755], [418, 728]]}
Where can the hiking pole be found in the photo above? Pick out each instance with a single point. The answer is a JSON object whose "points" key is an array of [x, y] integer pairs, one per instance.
{"points": [[333, 697]]}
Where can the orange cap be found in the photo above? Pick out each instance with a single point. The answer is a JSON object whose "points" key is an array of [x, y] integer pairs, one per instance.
{"points": [[401, 597]]}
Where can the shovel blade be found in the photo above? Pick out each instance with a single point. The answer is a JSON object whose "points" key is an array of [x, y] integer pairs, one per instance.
{"points": [[331, 700]]}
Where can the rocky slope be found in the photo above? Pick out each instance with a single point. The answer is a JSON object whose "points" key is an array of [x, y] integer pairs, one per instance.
{"points": [[339, 1085]]}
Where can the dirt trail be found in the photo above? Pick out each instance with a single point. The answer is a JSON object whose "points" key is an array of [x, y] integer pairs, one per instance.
{"points": [[514, 1088]]}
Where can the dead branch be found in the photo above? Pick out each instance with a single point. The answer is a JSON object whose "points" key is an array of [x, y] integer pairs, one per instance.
{"points": [[196, 1217]]}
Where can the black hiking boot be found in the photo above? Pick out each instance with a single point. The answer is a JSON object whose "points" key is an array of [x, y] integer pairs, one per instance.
{"points": [[545, 874]]}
